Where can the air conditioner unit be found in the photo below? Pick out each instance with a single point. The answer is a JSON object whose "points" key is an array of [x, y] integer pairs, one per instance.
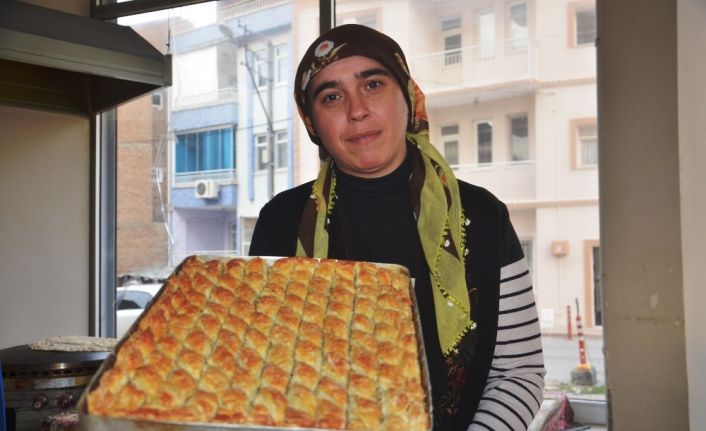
{"points": [[206, 189]]}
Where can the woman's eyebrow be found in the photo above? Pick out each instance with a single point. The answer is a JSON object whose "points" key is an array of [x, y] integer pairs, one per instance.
{"points": [[372, 72], [323, 86]]}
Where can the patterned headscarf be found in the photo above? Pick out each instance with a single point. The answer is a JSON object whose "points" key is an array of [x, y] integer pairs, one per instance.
{"points": [[435, 197]]}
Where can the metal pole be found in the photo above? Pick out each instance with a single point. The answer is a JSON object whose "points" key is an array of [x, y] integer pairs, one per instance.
{"points": [[327, 14], [270, 130]]}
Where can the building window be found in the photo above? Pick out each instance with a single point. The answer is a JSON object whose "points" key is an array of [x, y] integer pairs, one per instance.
{"points": [[451, 29], [518, 27], [484, 138], [233, 228], [281, 149], [205, 151], [449, 136], [451, 152], [485, 34], [261, 156], [519, 138], [261, 69], [281, 71], [584, 143], [582, 24], [157, 101]]}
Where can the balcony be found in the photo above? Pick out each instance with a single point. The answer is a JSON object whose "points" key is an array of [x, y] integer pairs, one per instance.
{"points": [[222, 176], [480, 68], [511, 182], [192, 101]]}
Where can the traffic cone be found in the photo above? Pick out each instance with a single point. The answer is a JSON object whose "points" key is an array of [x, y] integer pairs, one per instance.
{"points": [[583, 374]]}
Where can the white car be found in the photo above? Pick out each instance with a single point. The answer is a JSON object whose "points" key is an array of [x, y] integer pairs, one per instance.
{"points": [[131, 301]]}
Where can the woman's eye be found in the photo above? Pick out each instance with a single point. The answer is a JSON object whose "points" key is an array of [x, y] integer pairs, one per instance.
{"points": [[328, 98], [374, 84]]}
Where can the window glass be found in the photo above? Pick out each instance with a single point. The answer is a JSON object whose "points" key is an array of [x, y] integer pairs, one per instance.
{"points": [[588, 141], [519, 138], [585, 26], [192, 158], [212, 129], [452, 46], [518, 27], [451, 152], [261, 152], [484, 138], [281, 149]]}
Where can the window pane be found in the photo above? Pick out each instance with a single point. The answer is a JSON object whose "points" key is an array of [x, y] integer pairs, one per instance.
{"points": [[188, 167], [451, 23], [519, 139], [451, 152], [588, 139], [585, 26], [452, 44], [485, 142], [518, 27], [449, 130]]}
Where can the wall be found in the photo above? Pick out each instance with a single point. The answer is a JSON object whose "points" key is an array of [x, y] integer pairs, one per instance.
{"points": [[692, 159], [44, 225], [641, 232]]}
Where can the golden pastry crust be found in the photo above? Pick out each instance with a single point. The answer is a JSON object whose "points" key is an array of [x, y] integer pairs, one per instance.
{"points": [[290, 342]]}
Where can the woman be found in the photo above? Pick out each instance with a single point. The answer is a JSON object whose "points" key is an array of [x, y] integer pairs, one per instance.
{"points": [[385, 194]]}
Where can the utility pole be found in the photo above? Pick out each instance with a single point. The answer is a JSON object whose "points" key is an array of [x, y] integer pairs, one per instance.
{"points": [[269, 113]]}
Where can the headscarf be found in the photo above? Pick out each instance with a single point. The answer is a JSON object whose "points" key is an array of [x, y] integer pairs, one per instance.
{"points": [[435, 197]]}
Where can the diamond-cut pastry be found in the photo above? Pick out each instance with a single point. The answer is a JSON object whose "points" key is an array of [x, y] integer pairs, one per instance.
{"points": [[294, 342]]}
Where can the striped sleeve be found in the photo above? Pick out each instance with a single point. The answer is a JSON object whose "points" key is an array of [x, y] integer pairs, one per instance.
{"points": [[515, 385]]}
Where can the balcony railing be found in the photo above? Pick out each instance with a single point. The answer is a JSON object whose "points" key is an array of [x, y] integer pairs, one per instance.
{"points": [[476, 66], [509, 181], [218, 97], [223, 176]]}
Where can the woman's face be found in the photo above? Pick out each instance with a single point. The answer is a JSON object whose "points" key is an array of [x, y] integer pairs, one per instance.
{"points": [[360, 114]]}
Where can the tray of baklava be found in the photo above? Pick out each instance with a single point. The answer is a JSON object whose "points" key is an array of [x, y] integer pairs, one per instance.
{"points": [[266, 343]]}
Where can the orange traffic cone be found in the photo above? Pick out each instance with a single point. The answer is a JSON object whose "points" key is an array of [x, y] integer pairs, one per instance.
{"points": [[583, 374]]}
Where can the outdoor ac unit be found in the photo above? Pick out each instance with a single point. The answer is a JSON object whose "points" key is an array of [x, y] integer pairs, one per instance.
{"points": [[206, 189]]}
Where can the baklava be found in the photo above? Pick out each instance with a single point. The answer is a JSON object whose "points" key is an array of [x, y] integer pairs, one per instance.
{"points": [[284, 342]]}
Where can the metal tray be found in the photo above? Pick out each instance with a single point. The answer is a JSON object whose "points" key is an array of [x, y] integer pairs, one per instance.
{"points": [[88, 422]]}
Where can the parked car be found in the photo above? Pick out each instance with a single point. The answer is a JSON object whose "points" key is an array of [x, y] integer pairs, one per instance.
{"points": [[131, 301]]}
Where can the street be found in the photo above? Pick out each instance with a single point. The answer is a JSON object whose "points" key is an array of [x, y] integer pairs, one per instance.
{"points": [[561, 356]]}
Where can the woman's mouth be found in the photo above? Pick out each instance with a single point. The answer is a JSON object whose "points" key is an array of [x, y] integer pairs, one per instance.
{"points": [[363, 138]]}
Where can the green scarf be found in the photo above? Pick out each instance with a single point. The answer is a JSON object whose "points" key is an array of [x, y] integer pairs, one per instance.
{"points": [[435, 197]]}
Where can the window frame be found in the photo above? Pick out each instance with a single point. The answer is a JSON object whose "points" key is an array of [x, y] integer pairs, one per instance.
{"points": [[510, 39], [198, 132], [572, 23], [510, 119], [260, 162], [575, 142], [476, 124], [452, 57]]}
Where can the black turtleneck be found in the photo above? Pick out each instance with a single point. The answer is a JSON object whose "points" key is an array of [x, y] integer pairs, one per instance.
{"points": [[373, 220]]}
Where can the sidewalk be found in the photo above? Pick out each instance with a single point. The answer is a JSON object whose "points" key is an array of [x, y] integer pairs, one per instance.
{"points": [[561, 356]]}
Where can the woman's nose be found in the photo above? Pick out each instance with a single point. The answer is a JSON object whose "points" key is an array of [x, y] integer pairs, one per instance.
{"points": [[357, 108]]}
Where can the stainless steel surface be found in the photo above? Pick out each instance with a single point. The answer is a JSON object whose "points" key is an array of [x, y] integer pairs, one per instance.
{"points": [[41, 384], [89, 422], [60, 61]]}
